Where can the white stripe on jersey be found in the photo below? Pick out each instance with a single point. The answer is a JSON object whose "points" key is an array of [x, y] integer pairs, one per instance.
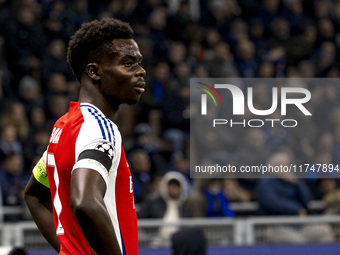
{"points": [[95, 128], [106, 125]]}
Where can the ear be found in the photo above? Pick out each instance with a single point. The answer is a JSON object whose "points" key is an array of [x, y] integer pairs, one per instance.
{"points": [[92, 71]]}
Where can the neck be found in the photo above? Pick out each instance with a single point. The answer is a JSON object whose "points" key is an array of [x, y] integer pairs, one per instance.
{"points": [[93, 96]]}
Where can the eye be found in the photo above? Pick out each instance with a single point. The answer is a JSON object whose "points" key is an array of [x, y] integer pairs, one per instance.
{"points": [[128, 63]]}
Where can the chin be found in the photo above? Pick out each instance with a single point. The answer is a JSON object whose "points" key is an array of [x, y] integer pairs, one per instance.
{"points": [[132, 101]]}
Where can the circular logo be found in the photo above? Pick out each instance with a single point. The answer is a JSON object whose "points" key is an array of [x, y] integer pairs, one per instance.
{"points": [[106, 148]]}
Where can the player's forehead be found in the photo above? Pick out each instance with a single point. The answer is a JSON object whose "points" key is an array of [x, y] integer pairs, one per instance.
{"points": [[126, 47]]}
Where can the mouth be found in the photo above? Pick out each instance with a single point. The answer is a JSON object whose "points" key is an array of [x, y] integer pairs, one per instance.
{"points": [[140, 87]]}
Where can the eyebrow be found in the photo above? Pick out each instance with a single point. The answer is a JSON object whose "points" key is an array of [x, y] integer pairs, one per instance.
{"points": [[132, 57]]}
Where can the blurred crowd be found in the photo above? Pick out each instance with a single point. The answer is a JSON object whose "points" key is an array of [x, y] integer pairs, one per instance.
{"points": [[178, 39]]}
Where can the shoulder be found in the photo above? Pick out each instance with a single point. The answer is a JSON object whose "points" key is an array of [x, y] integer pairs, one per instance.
{"points": [[271, 183], [96, 124]]}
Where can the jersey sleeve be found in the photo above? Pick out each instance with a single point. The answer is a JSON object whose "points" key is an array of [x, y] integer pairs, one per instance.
{"points": [[40, 173], [98, 155], [98, 144]]}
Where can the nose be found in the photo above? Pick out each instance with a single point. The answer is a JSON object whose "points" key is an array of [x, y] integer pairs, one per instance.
{"points": [[140, 72]]}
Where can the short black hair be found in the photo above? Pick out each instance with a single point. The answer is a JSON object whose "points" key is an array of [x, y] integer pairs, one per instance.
{"points": [[174, 182], [92, 40]]}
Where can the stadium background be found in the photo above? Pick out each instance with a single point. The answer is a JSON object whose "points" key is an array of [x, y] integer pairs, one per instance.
{"points": [[178, 40]]}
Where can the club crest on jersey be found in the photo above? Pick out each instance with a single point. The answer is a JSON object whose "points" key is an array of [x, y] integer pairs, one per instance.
{"points": [[106, 148]]}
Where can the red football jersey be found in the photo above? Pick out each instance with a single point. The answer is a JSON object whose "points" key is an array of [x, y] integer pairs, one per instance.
{"points": [[85, 127]]}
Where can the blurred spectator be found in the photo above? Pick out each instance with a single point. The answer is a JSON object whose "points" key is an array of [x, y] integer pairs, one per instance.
{"points": [[54, 62], [195, 53], [245, 58], [327, 103], [12, 181], [57, 106], [253, 151], [238, 32], [9, 143], [218, 14], [160, 84], [15, 115], [306, 69], [217, 202], [6, 92], [325, 31], [200, 71], [5, 15], [280, 32], [336, 16], [168, 205], [321, 9], [181, 75], [157, 23], [30, 93], [141, 173], [209, 200], [325, 143], [222, 62], [176, 120], [234, 192], [189, 241], [304, 137], [266, 70], [76, 15], [331, 196], [57, 84], [37, 118], [168, 202], [23, 50], [211, 39], [336, 147], [301, 46], [277, 136], [176, 55], [35, 147], [145, 8], [295, 14], [257, 36], [53, 21], [180, 163], [144, 139], [127, 12], [268, 11], [126, 118], [284, 194], [325, 159], [217, 143], [178, 22], [325, 58], [145, 47]]}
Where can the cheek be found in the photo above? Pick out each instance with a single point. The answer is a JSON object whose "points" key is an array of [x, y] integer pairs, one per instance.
{"points": [[117, 84], [121, 77], [111, 80], [124, 78]]}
